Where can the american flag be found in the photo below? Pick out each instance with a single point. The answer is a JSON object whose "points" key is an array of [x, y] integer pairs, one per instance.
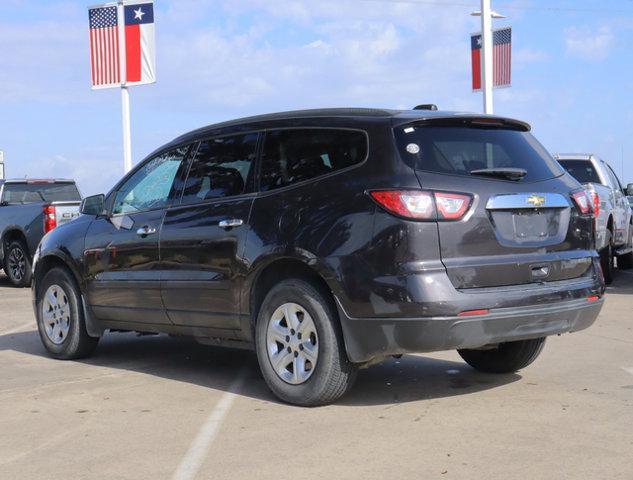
{"points": [[104, 46], [501, 58]]}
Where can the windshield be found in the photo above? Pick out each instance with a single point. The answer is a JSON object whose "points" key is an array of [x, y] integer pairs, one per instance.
{"points": [[581, 170], [462, 150], [20, 193]]}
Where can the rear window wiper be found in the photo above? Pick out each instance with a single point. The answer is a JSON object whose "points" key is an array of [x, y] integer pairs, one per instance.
{"points": [[507, 173]]}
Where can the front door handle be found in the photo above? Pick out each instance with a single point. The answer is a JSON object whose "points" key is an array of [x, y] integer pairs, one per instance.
{"points": [[145, 231], [231, 222]]}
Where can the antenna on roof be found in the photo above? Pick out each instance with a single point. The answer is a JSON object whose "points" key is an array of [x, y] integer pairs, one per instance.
{"points": [[425, 106]]}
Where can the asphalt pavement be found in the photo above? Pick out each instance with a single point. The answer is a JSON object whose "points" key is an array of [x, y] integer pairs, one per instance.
{"points": [[157, 407]]}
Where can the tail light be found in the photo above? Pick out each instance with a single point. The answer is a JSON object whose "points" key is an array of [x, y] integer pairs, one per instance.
{"points": [[50, 220], [423, 205], [582, 201], [595, 200]]}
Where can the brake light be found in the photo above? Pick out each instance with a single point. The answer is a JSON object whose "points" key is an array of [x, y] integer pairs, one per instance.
{"points": [[451, 206], [593, 298], [582, 201], [50, 220], [414, 204], [423, 205], [596, 202]]}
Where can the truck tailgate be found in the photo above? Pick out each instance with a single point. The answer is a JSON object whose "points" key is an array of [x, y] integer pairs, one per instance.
{"points": [[65, 211]]}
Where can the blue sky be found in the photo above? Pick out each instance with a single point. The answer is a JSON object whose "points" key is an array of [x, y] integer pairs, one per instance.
{"points": [[217, 60]]}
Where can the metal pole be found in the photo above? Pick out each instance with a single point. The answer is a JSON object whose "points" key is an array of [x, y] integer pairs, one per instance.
{"points": [[125, 94], [486, 50]]}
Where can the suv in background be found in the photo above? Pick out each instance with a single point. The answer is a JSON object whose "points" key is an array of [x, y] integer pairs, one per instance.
{"points": [[29, 208], [327, 240], [614, 230]]}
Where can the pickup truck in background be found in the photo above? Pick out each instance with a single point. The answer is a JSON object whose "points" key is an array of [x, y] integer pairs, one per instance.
{"points": [[614, 231], [28, 210]]}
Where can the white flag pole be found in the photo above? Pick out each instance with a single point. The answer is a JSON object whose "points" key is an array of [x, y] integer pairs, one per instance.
{"points": [[486, 50], [125, 94]]}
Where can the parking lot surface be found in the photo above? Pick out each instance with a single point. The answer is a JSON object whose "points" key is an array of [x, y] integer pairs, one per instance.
{"points": [[155, 407]]}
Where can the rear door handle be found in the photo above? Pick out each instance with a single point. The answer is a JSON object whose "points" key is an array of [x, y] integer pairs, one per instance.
{"points": [[231, 222], [145, 230]]}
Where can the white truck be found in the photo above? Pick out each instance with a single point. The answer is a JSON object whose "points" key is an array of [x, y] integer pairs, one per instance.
{"points": [[614, 230]]}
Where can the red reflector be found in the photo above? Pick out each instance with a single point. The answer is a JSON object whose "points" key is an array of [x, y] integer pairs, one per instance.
{"points": [[471, 313], [593, 298], [50, 220]]}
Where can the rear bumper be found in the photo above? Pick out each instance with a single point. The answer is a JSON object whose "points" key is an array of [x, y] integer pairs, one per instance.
{"points": [[368, 338]]}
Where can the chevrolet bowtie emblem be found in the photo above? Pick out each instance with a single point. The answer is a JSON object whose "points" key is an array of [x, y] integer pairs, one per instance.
{"points": [[536, 200]]}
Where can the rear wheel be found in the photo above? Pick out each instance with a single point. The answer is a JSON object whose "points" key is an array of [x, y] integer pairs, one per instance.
{"points": [[607, 260], [300, 346], [17, 264], [506, 358], [625, 262], [60, 318]]}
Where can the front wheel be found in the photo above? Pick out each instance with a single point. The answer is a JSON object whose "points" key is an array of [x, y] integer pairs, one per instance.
{"points": [[60, 318], [300, 346], [506, 357]]}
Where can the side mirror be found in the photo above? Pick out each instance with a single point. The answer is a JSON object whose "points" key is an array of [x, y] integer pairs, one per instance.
{"points": [[94, 205], [629, 189]]}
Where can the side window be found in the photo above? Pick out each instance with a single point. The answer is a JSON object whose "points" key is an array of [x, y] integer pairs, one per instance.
{"points": [[221, 168], [150, 186], [614, 177], [295, 155]]}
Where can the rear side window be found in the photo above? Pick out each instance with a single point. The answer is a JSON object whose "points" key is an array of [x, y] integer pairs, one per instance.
{"points": [[581, 170], [294, 155], [39, 192], [460, 150], [221, 168]]}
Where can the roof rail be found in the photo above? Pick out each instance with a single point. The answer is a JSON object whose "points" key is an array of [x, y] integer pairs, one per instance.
{"points": [[425, 106]]}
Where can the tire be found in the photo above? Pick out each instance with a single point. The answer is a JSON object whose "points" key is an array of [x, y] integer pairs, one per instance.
{"points": [[625, 262], [506, 358], [302, 381], [62, 329], [17, 264], [607, 261]]}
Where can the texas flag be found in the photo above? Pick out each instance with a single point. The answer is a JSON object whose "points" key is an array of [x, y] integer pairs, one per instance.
{"points": [[140, 46]]}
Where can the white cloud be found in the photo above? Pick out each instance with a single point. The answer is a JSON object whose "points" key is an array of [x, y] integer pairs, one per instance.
{"points": [[589, 44]]}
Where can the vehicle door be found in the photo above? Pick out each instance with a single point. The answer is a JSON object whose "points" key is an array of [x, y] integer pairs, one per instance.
{"points": [[621, 208], [121, 248], [203, 237]]}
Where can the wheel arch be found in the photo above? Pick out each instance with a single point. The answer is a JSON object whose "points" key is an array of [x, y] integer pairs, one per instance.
{"points": [[11, 233], [59, 259], [275, 270]]}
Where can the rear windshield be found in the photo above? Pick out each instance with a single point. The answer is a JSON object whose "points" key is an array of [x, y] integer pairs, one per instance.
{"points": [[39, 192], [460, 150], [581, 170]]}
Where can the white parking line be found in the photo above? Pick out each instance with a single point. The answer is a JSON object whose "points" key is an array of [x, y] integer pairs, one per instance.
{"points": [[195, 456], [628, 369], [20, 328]]}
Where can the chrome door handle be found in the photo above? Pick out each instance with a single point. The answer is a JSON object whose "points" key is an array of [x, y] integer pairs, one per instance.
{"points": [[146, 230], [231, 222]]}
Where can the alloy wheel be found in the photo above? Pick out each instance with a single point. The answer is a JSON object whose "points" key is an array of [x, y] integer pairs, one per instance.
{"points": [[17, 264], [56, 314], [292, 343]]}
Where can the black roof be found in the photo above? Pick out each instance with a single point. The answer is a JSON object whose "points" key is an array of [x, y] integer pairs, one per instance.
{"points": [[398, 117]]}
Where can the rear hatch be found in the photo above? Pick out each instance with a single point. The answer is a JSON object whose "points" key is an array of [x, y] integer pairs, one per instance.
{"points": [[523, 224]]}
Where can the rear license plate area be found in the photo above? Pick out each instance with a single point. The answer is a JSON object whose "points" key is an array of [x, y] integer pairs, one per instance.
{"points": [[532, 226]]}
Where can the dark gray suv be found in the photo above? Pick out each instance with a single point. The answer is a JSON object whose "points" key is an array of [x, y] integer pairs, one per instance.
{"points": [[330, 239]]}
